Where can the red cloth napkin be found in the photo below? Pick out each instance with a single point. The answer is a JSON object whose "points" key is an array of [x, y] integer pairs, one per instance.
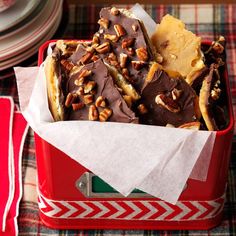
{"points": [[13, 130]]}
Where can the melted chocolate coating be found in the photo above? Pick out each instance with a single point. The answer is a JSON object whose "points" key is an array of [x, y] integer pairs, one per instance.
{"points": [[106, 88], [163, 84], [137, 76]]}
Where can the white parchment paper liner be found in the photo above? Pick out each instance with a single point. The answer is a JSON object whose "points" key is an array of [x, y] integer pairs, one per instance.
{"points": [[157, 160]]}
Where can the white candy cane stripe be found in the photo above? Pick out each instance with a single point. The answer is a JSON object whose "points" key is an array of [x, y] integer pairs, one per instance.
{"points": [[103, 211], [131, 209], [151, 212], [120, 210]]}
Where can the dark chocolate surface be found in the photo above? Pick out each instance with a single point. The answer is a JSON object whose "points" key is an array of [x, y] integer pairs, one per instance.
{"points": [[163, 84], [105, 88]]}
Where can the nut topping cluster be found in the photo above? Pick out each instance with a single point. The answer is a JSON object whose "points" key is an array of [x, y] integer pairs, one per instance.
{"points": [[85, 97]]}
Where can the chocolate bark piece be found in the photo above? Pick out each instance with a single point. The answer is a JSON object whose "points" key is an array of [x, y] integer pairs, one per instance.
{"points": [[209, 94], [66, 47], [85, 54], [128, 41], [96, 85], [55, 80], [168, 100]]}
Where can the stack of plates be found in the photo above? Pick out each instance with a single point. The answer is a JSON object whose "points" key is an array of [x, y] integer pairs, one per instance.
{"points": [[24, 27]]}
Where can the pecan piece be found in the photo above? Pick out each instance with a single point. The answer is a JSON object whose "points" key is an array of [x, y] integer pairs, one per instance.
{"points": [[134, 27], [218, 48], [93, 113], [95, 39], [80, 91], [85, 73], [67, 64], [176, 93], [104, 23], [142, 109], [115, 11], [130, 51], [120, 31], [89, 86], [95, 58], [85, 58], [127, 42], [167, 102], [88, 98], [123, 60], [77, 106], [100, 102], [112, 37], [191, 125], [103, 48], [79, 81], [112, 57], [105, 114], [70, 98], [142, 54], [137, 65]]}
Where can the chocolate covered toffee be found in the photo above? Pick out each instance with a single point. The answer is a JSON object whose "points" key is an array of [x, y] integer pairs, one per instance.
{"points": [[123, 76]]}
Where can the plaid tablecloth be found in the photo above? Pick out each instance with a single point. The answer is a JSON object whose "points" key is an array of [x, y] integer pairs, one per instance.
{"points": [[80, 22]]}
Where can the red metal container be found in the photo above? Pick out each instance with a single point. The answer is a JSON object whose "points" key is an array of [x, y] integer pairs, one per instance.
{"points": [[72, 197]]}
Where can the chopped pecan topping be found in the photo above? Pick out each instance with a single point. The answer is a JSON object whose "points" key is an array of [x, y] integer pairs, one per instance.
{"points": [[77, 106], [176, 93], [112, 56], [80, 91], [95, 39], [85, 73], [142, 109], [115, 11], [70, 98], [167, 102], [104, 23], [85, 58], [100, 102], [217, 47], [191, 125], [130, 51], [137, 65], [88, 98], [112, 37], [105, 114], [95, 58], [79, 81], [215, 93], [142, 54], [67, 64], [125, 73], [123, 60], [134, 27], [127, 42], [103, 48], [90, 49], [114, 63], [89, 86], [120, 31], [93, 113]]}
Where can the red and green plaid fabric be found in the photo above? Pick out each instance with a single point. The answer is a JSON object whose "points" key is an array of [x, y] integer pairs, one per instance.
{"points": [[80, 22]]}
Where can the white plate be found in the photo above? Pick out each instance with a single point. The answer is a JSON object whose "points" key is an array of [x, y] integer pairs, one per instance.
{"points": [[27, 37], [23, 56], [25, 22], [16, 13]]}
